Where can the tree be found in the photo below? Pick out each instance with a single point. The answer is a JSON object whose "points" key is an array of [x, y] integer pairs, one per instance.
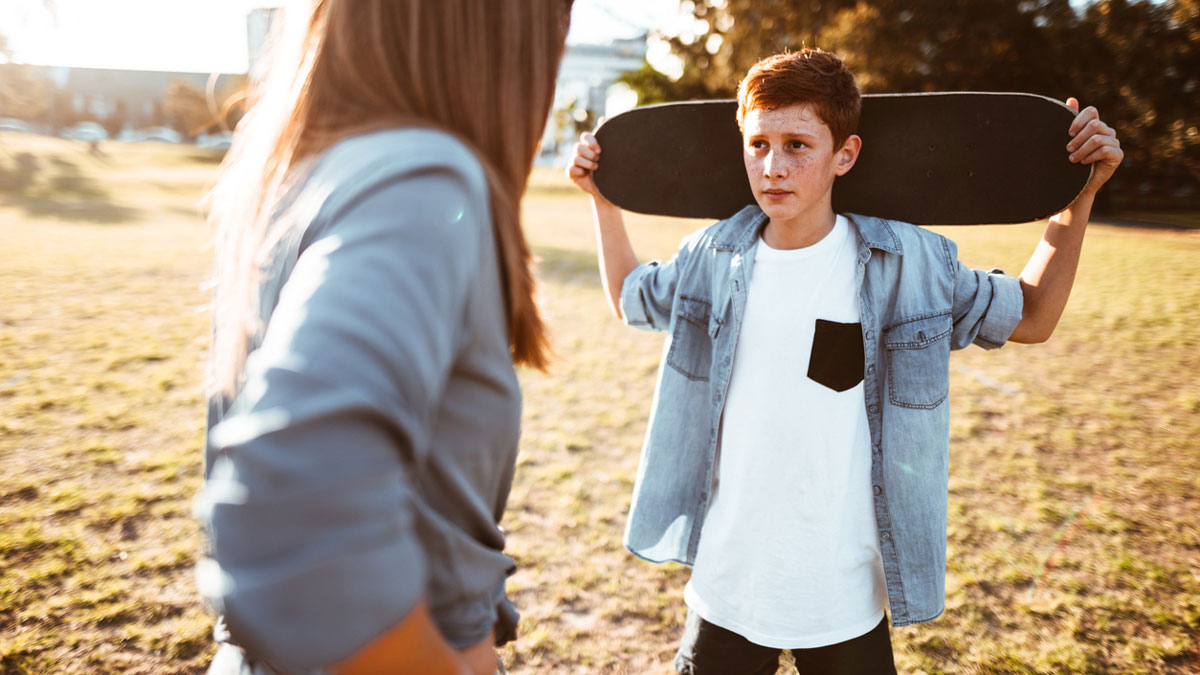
{"points": [[1143, 73], [1138, 61], [22, 92], [117, 119], [229, 103], [186, 109], [61, 113], [892, 45], [949, 45], [655, 87], [732, 36]]}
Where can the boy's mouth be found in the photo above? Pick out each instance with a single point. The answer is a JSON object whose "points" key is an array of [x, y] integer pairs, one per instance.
{"points": [[775, 193]]}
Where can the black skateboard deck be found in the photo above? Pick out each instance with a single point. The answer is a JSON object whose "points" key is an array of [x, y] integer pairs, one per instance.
{"points": [[957, 158]]}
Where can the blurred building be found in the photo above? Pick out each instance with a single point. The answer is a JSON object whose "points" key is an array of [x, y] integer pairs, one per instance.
{"points": [[587, 80], [259, 23], [588, 90], [136, 97], [587, 87], [588, 72]]}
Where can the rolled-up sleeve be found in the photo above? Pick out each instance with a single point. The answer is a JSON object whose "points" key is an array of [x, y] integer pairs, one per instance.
{"points": [[648, 292], [309, 503], [987, 307]]}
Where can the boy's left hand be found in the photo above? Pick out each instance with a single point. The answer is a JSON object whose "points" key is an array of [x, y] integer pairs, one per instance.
{"points": [[1093, 142]]}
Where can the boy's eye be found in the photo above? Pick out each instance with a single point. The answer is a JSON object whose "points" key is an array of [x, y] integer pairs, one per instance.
{"points": [[758, 145], [797, 145]]}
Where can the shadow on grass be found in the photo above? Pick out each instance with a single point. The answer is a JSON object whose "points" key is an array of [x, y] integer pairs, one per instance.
{"points": [[567, 266], [50, 186], [207, 156]]}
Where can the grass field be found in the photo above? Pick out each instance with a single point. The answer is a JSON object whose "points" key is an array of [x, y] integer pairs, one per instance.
{"points": [[1074, 502]]}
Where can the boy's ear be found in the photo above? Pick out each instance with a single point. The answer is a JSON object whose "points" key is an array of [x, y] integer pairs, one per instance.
{"points": [[848, 155]]}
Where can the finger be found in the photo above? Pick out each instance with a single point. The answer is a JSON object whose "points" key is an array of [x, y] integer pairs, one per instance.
{"points": [[1096, 126], [586, 151], [1106, 153], [1085, 147], [589, 141], [577, 172], [585, 164], [1096, 149], [1090, 130], [1087, 115]]}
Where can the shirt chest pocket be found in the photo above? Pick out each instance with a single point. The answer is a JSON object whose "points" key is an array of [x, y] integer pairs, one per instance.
{"points": [[918, 353], [692, 338]]}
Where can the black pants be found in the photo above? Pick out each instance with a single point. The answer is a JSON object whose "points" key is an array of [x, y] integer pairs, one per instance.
{"points": [[708, 649]]}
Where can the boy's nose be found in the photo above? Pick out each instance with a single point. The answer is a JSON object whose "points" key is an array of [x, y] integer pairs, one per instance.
{"points": [[773, 168]]}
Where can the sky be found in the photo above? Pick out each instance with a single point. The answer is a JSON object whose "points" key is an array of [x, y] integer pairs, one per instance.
{"points": [[210, 35]]}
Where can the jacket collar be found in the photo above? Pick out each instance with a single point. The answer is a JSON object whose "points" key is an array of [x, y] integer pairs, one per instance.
{"points": [[876, 233], [741, 231]]}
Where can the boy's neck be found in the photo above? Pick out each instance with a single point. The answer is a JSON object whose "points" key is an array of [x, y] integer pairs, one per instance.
{"points": [[799, 232]]}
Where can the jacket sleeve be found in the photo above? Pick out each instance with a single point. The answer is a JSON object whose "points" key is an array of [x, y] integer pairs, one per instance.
{"points": [[648, 293], [309, 504], [987, 307]]}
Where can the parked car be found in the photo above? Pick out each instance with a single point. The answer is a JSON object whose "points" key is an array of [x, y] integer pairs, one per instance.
{"points": [[86, 131], [7, 124], [159, 135], [153, 134], [220, 141]]}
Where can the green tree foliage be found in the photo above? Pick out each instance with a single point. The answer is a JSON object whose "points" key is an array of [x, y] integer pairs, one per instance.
{"points": [[1138, 61], [1147, 79], [733, 35], [654, 87], [947, 45]]}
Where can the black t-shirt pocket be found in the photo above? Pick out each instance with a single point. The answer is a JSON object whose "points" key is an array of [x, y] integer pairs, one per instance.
{"points": [[836, 360]]}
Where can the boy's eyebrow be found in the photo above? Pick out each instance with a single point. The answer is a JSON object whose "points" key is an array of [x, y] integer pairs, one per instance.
{"points": [[802, 135]]}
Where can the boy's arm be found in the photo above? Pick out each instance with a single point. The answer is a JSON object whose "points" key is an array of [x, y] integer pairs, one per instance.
{"points": [[613, 247], [1049, 275]]}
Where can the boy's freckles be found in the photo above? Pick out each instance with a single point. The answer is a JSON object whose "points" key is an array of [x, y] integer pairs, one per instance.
{"points": [[790, 163]]}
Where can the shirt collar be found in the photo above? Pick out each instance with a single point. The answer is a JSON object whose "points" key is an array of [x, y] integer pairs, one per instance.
{"points": [[745, 227]]}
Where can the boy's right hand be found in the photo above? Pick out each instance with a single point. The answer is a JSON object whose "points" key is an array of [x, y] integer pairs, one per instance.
{"points": [[583, 163]]}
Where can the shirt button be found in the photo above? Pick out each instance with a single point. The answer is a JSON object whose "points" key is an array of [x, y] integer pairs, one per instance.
{"points": [[870, 370], [885, 535], [874, 408], [870, 335], [878, 490]]}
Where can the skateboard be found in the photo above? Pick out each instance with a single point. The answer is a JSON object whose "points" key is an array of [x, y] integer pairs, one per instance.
{"points": [[954, 158]]}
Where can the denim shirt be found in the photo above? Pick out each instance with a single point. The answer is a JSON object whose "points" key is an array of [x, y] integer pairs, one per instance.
{"points": [[917, 302]]}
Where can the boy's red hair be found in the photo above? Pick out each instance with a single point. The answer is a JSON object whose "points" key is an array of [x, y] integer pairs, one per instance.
{"points": [[812, 76]]}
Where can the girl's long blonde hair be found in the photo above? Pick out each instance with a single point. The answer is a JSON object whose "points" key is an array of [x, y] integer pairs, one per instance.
{"points": [[483, 70]]}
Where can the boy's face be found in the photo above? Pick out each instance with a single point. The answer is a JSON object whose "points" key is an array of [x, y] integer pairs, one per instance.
{"points": [[791, 163]]}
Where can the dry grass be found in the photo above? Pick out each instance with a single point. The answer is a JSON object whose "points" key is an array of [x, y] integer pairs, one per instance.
{"points": [[1074, 544]]}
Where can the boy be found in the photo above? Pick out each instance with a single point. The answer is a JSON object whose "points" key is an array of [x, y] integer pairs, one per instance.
{"points": [[797, 452]]}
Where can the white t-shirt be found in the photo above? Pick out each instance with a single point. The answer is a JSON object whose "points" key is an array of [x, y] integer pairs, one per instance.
{"points": [[788, 555]]}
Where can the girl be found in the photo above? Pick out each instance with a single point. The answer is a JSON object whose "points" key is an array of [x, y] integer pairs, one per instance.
{"points": [[373, 294]]}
